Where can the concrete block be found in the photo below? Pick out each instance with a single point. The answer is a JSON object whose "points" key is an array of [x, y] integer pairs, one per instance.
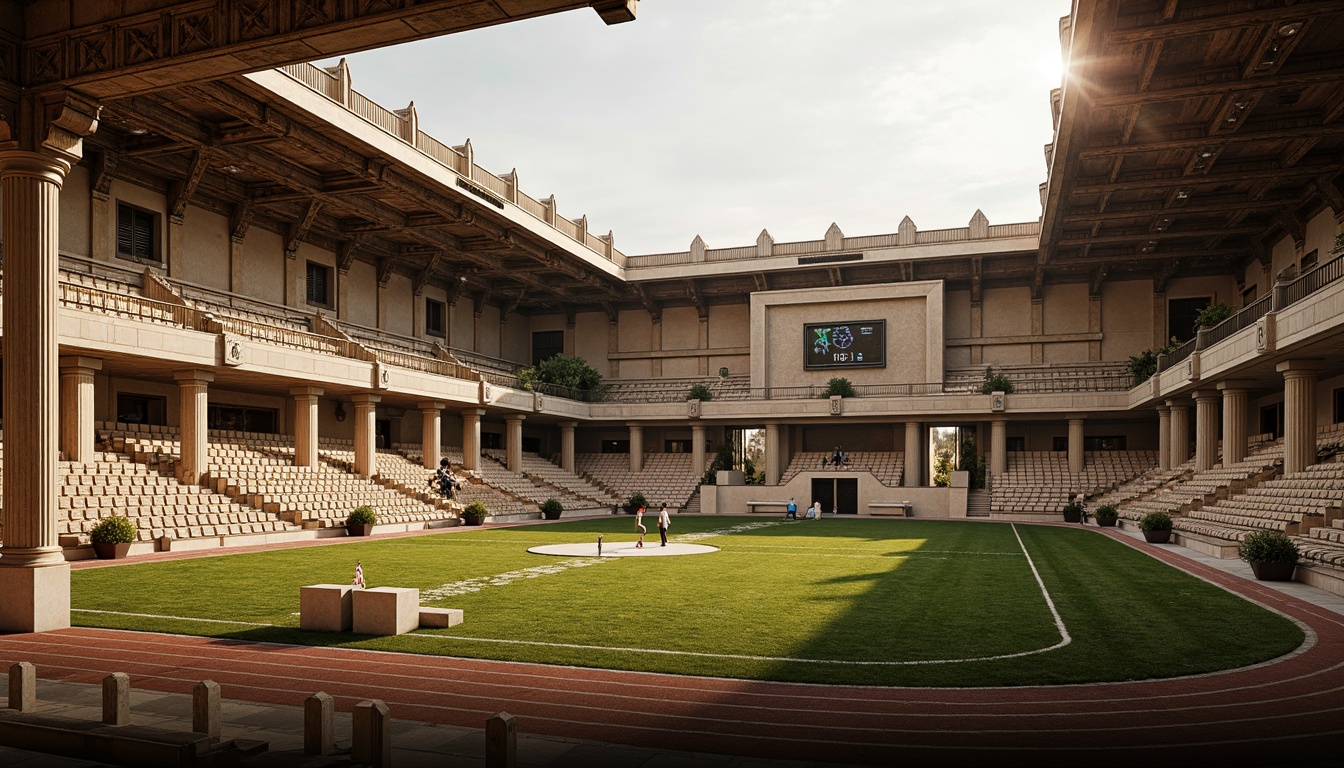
{"points": [[37, 599], [371, 734], [23, 687], [319, 731], [325, 607], [501, 741], [386, 610], [440, 617], [205, 716], [117, 699]]}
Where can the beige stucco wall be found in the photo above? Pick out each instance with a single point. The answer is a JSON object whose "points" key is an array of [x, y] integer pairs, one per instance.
{"points": [[361, 305], [461, 325], [490, 331], [634, 331], [76, 213], [1126, 326], [681, 328], [398, 309], [263, 266], [517, 341], [1064, 309], [1007, 312], [205, 243], [590, 340]]}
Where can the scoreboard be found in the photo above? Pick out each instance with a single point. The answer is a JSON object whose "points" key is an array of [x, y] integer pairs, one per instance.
{"points": [[855, 344]]}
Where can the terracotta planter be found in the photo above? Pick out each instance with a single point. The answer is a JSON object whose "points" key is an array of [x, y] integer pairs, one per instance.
{"points": [[1107, 522], [1273, 571], [111, 551], [359, 529], [473, 520], [1157, 537]]}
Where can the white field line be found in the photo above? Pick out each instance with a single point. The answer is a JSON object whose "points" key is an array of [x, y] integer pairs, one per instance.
{"points": [[1065, 638], [175, 618]]}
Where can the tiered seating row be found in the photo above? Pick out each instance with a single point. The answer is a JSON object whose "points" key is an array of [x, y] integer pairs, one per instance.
{"points": [[666, 478], [887, 466], [1039, 482]]}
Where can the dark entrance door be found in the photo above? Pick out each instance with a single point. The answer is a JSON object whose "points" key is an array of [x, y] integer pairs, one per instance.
{"points": [[847, 496], [382, 434], [823, 490]]}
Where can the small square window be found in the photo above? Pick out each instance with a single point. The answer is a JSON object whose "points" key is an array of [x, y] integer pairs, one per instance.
{"points": [[434, 314], [137, 233], [1309, 261], [319, 285]]}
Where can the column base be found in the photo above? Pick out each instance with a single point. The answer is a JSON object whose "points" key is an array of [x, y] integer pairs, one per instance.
{"points": [[37, 598]]}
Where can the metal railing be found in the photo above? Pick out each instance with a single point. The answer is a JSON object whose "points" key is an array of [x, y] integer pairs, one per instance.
{"points": [[130, 306], [1176, 356], [1309, 283], [1244, 318]]}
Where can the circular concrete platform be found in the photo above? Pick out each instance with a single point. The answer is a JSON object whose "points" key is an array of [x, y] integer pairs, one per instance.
{"points": [[622, 549]]}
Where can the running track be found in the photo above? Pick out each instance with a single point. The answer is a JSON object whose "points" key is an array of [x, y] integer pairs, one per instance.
{"points": [[1289, 711]]}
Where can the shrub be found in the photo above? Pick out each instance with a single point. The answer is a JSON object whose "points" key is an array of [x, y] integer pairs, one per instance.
{"points": [[1075, 508], [699, 392], [113, 530], [363, 515], [1267, 547], [1155, 521], [563, 371], [552, 506], [1106, 510], [995, 382], [1212, 315], [839, 386], [475, 513], [636, 501], [1144, 364]]}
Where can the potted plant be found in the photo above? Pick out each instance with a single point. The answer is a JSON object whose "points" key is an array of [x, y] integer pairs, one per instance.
{"points": [[361, 521], [635, 501], [552, 508], [474, 514], [1106, 515], [1074, 511], [1272, 555], [1156, 527], [699, 392], [112, 537]]}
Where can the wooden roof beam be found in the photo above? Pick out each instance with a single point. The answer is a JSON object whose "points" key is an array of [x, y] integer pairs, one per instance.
{"points": [[1204, 25]]}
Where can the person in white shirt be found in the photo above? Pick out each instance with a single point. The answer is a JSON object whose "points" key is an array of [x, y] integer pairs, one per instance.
{"points": [[664, 522], [815, 514]]}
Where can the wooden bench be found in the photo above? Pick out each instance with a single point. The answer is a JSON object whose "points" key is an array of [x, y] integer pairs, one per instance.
{"points": [[901, 508], [752, 505]]}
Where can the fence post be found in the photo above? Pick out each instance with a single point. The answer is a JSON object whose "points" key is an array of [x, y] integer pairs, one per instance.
{"points": [[23, 687], [371, 737], [205, 708], [117, 699], [319, 736], [501, 741]]}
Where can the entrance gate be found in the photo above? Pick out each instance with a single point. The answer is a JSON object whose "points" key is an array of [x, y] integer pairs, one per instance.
{"points": [[838, 493]]}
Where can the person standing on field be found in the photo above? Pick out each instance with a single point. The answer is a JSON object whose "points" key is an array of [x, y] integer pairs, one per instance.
{"points": [[664, 522], [639, 525]]}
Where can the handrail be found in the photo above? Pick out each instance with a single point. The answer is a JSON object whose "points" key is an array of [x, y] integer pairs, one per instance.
{"points": [[111, 302], [1244, 318], [1169, 360]]}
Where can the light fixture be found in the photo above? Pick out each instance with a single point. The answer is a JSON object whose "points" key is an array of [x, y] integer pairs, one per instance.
{"points": [[1288, 30], [138, 131], [1206, 154], [232, 169], [1182, 195]]}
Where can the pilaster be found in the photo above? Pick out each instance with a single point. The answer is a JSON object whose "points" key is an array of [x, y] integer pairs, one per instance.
{"points": [[1180, 433], [567, 445], [1075, 445], [1164, 437], [193, 406], [636, 448], [305, 425], [77, 395], [1206, 428], [772, 452], [366, 416], [513, 441], [998, 447], [471, 438], [431, 432], [1299, 413], [1235, 397], [698, 457]]}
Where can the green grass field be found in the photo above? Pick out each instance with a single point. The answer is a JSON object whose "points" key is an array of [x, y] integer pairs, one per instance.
{"points": [[882, 602]]}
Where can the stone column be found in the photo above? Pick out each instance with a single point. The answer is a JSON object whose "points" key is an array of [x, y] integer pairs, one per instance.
{"points": [[1206, 428], [1299, 413], [772, 451], [366, 426], [1164, 437], [998, 447], [431, 432], [471, 438], [698, 458], [1235, 396], [193, 406], [305, 425], [913, 451], [636, 448], [77, 407], [567, 445], [1076, 445], [36, 583], [513, 441], [1180, 433]]}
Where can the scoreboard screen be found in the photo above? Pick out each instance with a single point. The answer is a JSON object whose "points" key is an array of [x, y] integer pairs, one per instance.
{"points": [[856, 344]]}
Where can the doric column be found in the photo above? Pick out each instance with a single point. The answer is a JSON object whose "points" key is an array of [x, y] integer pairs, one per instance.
{"points": [[1235, 396], [431, 432], [305, 425], [1206, 428], [636, 448], [1076, 445], [998, 447], [567, 445], [513, 441], [77, 407], [1164, 437], [471, 438], [913, 452], [698, 449], [772, 451], [366, 427], [1299, 413], [193, 406], [1180, 433]]}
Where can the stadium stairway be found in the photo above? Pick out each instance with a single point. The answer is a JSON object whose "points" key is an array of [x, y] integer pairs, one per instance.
{"points": [[503, 506]]}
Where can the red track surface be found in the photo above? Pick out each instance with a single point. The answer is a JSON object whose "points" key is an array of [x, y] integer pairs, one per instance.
{"points": [[1285, 712]]}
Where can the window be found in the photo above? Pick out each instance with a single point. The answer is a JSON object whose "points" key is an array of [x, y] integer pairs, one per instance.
{"points": [[531, 445], [434, 314], [547, 344], [319, 284], [1248, 295], [1309, 261], [1339, 407], [137, 233], [676, 446], [1015, 443], [142, 409], [492, 440], [1181, 314], [240, 419], [1271, 420], [615, 446]]}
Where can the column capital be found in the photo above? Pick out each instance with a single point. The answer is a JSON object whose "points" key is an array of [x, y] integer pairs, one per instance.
{"points": [[1176, 405], [514, 417], [431, 405], [365, 398], [1076, 417], [1002, 420], [567, 424], [81, 362], [305, 391], [635, 427], [194, 375], [1233, 386], [473, 412], [1163, 410], [1204, 395], [1299, 367]]}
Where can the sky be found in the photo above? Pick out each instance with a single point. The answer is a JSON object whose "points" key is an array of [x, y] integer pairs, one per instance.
{"points": [[721, 118]]}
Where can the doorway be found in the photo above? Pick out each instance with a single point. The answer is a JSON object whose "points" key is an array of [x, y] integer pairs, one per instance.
{"points": [[840, 494]]}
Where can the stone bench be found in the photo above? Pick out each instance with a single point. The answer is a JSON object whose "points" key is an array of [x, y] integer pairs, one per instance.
{"points": [[752, 505], [899, 508], [326, 607], [440, 617], [386, 610]]}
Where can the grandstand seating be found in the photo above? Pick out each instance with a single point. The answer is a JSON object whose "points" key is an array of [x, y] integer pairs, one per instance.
{"points": [[664, 390], [667, 478], [475, 487], [887, 466], [535, 482], [1039, 482]]}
